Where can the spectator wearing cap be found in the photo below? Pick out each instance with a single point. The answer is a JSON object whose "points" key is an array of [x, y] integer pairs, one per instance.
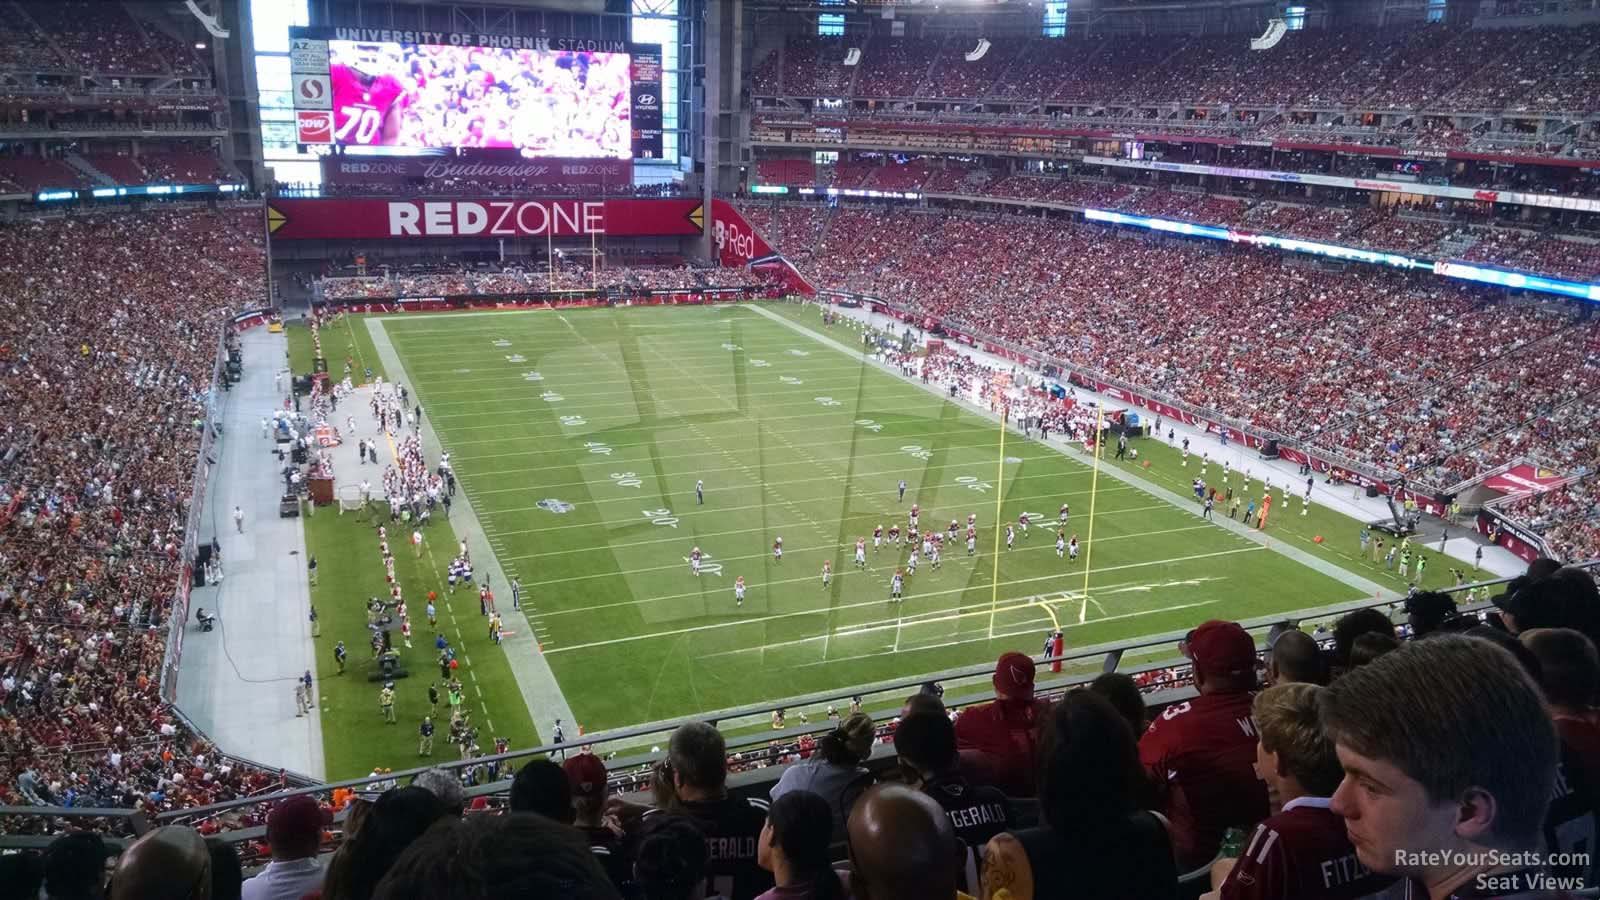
{"points": [[1095, 842], [1301, 851], [294, 833], [1201, 753], [1003, 735], [1449, 761], [586, 778], [834, 772]]}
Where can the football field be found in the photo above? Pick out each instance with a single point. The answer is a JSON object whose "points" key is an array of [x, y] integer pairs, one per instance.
{"points": [[580, 435]]}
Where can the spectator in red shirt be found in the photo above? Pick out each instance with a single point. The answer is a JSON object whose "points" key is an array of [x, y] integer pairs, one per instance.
{"points": [[1301, 852], [1203, 751], [1449, 761], [1004, 735]]}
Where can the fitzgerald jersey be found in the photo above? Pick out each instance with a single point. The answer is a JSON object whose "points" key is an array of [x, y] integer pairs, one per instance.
{"points": [[733, 829], [1303, 853]]}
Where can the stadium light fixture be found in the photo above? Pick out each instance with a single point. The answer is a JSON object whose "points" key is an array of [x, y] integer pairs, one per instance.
{"points": [[1276, 29], [209, 21], [976, 53], [199, 45]]}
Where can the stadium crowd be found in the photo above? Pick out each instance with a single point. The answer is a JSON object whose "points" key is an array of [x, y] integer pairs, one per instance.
{"points": [[1287, 349], [1544, 69], [109, 340], [570, 275], [1315, 770]]}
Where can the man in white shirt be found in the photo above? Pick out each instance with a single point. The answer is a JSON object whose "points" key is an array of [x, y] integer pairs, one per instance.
{"points": [[294, 830]]}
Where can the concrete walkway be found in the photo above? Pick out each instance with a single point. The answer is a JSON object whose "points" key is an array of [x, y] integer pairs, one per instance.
{"points": [[1346, 499], [546, 702], [237, 683]]}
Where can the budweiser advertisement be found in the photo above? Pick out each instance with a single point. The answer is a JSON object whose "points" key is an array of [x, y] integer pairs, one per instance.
{"points": [[503, 168]]}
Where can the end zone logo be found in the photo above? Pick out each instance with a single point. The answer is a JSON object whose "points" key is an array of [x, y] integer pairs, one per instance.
{"points": [[314, 127]]}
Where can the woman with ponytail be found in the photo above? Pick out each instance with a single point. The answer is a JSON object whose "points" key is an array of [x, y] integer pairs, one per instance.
{"points": [[794, 848], [834, 771]]}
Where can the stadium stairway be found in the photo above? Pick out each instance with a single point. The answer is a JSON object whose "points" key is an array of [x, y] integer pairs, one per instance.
{"points": [[88, 169]]}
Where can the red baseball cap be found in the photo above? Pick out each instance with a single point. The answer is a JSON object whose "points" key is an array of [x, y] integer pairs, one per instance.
{"points": [[298, 818], [1013, 675], [586, 773], [1222, 648]]}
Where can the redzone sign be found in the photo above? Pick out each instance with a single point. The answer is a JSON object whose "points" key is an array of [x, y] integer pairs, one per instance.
{"points": [[495, 218], [499, 217]]}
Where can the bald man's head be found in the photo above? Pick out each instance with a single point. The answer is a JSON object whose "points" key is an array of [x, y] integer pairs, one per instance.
{"points": [[170, 863], [1297, 658], [901, 846]]}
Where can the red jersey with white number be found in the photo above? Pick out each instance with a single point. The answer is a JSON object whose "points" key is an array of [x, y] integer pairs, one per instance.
{"points": [[360, 107], [1303, 853], [1204, 751]]}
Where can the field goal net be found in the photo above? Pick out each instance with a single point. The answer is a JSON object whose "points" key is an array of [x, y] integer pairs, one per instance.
{"points": [[350, 499]]}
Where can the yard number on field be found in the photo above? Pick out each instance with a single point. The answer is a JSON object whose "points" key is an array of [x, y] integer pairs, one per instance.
{"points": [[597, 447], [973, 484], [870, 425], [661, 517], [760, 363], [532, 376], [827, 401], [625, 479], [917, 452]]}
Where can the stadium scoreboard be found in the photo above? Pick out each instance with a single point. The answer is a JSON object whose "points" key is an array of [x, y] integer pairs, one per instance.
{"points": [[398, 92]]}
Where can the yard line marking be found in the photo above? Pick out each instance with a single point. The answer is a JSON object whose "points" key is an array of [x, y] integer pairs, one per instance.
{"points": [[983, 637], [758, 483], [842, 546], [1120, 587], [578, 463], [1254, 548], [556, 382]]}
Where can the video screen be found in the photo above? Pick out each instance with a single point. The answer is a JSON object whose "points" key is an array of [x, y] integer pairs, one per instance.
{"points": [[427, 96]]}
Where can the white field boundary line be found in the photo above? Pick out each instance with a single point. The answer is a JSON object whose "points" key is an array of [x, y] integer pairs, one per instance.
{"points": [[1254, 548], [834, 547], [876, 571]]}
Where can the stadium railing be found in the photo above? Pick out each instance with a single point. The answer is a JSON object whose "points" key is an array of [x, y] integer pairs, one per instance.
{"points": [[757, 752]]}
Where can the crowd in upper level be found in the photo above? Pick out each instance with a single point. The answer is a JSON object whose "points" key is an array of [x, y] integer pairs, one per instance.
{"points": [[108, 340], [90, 38], [1540, 70]]}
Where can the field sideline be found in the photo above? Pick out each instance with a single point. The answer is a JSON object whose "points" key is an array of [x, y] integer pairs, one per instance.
{"points": [[579, 437]]}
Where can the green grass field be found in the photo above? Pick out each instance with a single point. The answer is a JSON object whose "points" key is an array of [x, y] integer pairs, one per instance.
{"points": [[579, 437]]}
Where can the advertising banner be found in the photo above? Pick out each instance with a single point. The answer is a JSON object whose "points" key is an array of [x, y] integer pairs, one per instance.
{"points": [[481, 167], [1523, 479]]}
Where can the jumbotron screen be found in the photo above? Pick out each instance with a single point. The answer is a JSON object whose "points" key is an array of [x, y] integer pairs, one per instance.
{"points": [[542, 102], [427, 92]]}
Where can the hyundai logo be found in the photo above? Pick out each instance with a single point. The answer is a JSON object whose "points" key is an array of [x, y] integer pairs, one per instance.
{"points": [[647, 99]]}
